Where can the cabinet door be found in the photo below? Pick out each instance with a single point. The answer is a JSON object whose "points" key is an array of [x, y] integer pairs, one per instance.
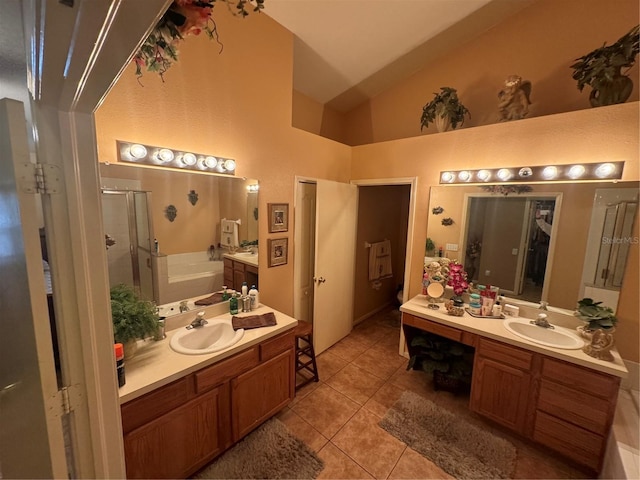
{"points": [[261, 392], [176, 444], [228, 273], [500, 392]]}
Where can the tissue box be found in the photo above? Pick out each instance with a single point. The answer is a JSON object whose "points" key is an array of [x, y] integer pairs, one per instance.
{"points": [[511, 310]]}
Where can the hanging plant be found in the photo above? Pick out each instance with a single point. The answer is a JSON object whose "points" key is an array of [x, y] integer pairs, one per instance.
{"points": [[445, 106], [183, 17]]}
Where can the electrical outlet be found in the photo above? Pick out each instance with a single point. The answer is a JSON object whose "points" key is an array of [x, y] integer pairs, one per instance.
{"points": [[514, 251], [452, 247], [487, 273]]}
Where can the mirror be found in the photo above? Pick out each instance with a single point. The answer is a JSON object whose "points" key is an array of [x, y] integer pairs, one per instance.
{"points": [[500, 240], [187, 260]]}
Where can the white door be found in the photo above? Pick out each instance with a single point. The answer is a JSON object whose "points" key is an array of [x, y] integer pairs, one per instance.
{"points": [[305, 239], [336, 221], [31, 438]]}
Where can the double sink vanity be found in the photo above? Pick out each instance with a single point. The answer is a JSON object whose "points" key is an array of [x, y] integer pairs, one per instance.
{"points": [[557, 396], [182, 410]]}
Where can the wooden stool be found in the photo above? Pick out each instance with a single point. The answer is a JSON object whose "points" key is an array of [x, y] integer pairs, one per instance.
{"points": [[305, 356]]}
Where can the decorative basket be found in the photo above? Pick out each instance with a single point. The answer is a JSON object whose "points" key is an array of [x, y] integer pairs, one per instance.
{"points": [[442, 381]]}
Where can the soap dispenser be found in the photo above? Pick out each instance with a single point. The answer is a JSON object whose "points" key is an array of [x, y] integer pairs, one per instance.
{"points": [[233, 303], [255, 297]]}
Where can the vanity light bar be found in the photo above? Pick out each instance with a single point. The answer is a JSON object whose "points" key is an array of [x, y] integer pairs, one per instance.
{"points": [[166, 157], [548, 173]]}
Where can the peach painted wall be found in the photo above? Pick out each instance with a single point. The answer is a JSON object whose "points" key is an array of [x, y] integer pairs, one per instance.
{"points": [[606, 133], [628, 327], [235, 104], [312, 116], [539, 43]]}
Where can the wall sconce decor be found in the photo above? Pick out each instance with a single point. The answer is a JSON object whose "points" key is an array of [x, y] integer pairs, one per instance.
{"points": [[549, 173], [437, 210], [193, 197], [171, 212], [447, 222], [169, 158]]}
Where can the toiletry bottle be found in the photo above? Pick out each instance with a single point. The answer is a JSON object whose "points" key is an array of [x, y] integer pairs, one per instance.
{"points": [[119, 351], [440, 251], [233, 303], [255, 299], [245, 289], [225, 293]]}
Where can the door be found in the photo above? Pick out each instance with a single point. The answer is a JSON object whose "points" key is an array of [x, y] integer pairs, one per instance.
{"points": [[336, 220], [31, 438], [305, 241]]}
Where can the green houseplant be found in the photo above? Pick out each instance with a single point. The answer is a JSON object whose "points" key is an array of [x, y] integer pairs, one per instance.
{"points": [[430, 247], [133, 318], [445, 110], [601, 69], [595, 315]]}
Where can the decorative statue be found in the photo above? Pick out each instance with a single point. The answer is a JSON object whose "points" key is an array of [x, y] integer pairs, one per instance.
{"points": [[600, 346], [514, 98]]}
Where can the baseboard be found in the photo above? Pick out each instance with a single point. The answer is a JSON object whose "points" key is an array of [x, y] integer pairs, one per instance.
{"points": [[372, 313]]}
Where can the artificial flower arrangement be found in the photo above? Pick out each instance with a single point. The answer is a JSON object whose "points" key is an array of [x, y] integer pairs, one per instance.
{"points": [[183, 17], [457, 278]]}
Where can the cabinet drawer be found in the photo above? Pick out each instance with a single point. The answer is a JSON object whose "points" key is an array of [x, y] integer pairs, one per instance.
{"points": [[226, 369], [228, 263], [274, 346], [576, 443], [433, 327], [506, 354], [251, 269], [574, 406], [238, 267], [596, 383], [141, 410]]}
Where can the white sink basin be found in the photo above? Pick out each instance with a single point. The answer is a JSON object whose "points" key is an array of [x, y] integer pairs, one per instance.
{"points": [[557, 337], [216, 335]]}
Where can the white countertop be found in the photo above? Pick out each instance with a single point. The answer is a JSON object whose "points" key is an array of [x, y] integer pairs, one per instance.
{"points": [[155, 364], [494, 328], [242, 257]]}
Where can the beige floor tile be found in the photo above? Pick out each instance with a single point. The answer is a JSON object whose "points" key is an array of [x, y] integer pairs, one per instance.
{"points": [[415, 380], [380, 361], [303, 430], [383, 399], [369, 445], [339, 465], [326, 410], [413, 465], [304, 391], [348, 348], [329, 364], [355, 383]]}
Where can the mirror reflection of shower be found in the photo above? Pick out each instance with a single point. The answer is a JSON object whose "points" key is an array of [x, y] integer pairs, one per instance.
{"points": [[127, 222]]}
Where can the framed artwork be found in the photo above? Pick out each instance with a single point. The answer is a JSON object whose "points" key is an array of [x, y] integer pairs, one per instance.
{"points": [[278, 217], [278, 250]]}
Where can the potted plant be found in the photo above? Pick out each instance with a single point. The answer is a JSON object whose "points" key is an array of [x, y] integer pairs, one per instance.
{"points": [[133, 318], [445, 110], [430, 247], [596, 316], [601, 69]]}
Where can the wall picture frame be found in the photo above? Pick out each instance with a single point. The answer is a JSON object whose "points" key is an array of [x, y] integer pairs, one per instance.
{"points": [[278, 251], [278, 217]]}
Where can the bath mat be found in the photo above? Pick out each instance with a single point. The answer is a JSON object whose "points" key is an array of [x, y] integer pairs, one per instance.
{"points": [[459, 448], [268, 452], [254, 321]]}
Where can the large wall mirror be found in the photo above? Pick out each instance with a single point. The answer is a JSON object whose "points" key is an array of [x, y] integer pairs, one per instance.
{"points": [[557, 242], [170, 258]]}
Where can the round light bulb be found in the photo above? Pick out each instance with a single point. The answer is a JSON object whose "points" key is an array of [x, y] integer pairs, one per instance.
{"points": [[165, 155], [447, 177], [210, 162], [549, 173], [605, 170], [189, 159], [484, 175], [504, 174], [137, 151], [464, 176], [576, 171], [230, 165]]}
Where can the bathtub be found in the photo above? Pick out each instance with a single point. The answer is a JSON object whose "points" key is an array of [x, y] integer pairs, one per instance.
{"points": [[622, 458], [190, 275]]}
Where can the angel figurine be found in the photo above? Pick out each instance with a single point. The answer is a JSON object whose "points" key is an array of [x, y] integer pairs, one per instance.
{"points": [[514, 98]]}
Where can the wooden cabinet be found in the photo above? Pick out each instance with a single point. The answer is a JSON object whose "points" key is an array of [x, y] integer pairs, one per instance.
{"points": [[501, 382], [175, 430], [563, 406], [237, 272]]}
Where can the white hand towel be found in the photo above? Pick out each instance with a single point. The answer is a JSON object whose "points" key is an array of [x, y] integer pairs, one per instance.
{"points": [[229, 233], [380, 260]]}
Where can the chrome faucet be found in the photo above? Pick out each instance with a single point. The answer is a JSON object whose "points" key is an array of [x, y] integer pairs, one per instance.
{"points": [[198, 322], [543, 305], [541, 321], [183, 306]]}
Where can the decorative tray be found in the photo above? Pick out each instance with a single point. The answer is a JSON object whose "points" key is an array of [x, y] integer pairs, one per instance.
{"points": [[501, 316]]}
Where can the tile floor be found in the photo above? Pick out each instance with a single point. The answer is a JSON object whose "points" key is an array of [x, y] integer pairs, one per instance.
{"points": [[360, 378]]}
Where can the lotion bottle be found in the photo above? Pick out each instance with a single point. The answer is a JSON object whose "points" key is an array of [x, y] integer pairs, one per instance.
{"points": [[255, 297], [245, 289]]}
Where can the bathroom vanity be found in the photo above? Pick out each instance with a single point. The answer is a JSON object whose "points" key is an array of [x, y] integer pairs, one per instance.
{"points": [[240, 268], [562, 399], [179, 412]]}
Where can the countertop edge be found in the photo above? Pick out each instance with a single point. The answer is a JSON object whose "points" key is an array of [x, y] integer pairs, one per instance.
{"points": [[615, 368]]}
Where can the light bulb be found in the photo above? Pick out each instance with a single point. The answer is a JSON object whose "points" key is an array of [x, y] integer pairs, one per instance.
{"points": [[137, 151], [210, 162], [230, 165], [188, 159], [464, 176], [164, 155], [504, 174], [447, 177], [605, 170], [484, 175], [576, 171], [549, 173]]}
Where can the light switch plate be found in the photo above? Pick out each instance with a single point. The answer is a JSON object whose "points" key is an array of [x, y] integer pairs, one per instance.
{"points": [[452, 247]]}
